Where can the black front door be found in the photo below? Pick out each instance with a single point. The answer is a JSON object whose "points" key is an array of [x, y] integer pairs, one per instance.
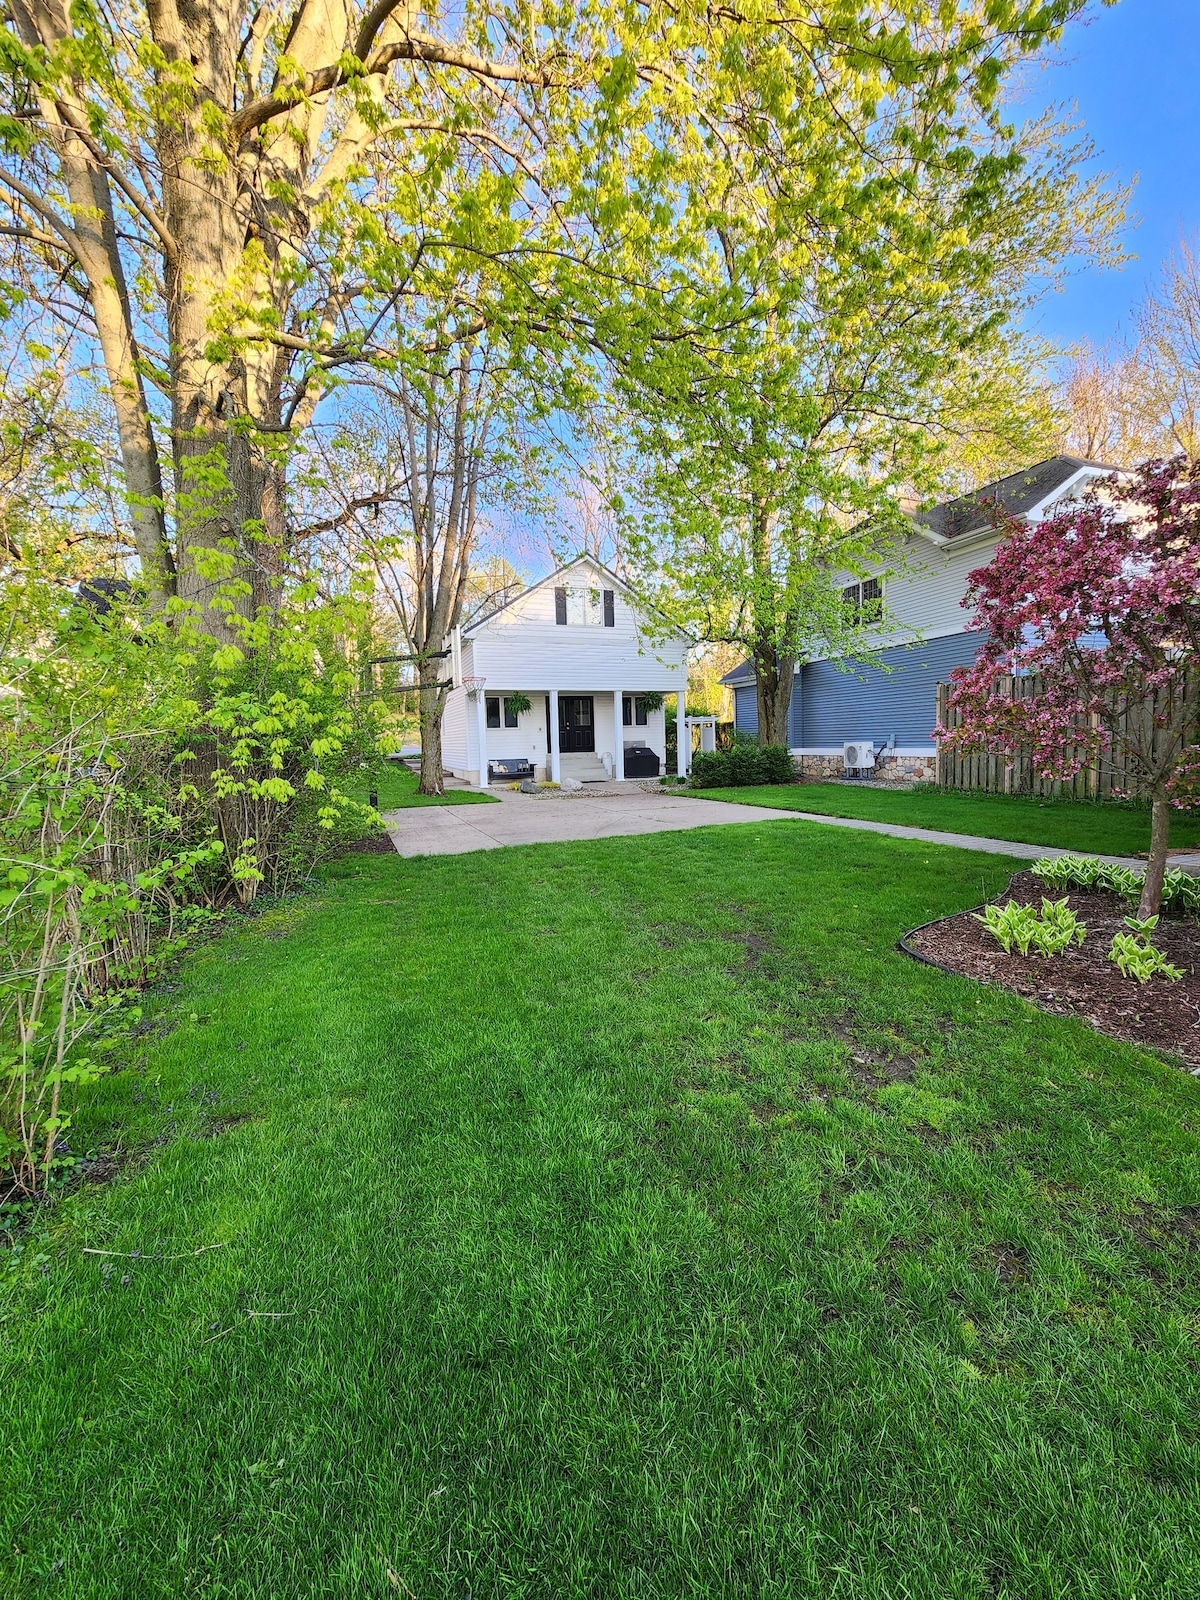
{"points": [[576, 726]]}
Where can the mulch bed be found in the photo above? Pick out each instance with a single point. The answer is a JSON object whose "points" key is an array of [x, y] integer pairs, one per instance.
{"points": [[1083, 983], [375, 844]]}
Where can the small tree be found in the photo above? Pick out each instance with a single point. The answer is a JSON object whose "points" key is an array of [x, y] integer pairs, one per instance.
{"points": [[1101, 603]]}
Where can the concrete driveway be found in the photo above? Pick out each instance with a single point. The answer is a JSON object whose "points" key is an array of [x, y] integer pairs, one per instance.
{"points": [[606, 811], [599, 812]]}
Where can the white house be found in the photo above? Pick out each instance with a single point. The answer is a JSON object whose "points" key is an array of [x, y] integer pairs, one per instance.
{"points": [[892, 704], [581, 650]]}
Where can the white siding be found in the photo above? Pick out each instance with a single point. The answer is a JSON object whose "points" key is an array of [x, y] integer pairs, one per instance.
{"points": [[454, 731], [522, 647], [924, 594]]}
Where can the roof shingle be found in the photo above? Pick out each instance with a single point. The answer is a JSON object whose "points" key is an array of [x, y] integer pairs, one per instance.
{"points": [[1017, 493]]}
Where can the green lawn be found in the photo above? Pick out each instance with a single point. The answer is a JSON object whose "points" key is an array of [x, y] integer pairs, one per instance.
{"points": [[546, 1223], [1109, 830], [397, 789]]}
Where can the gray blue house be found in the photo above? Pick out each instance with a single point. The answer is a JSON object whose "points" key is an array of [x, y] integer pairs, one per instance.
{"points": [[922, 585]]}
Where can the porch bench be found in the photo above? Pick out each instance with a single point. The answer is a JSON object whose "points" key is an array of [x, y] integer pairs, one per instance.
{"points": [[500, 770]]}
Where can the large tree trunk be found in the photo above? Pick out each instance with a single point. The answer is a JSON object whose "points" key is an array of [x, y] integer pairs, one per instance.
{"points": [[1156, 866], [92, 237], [432, 699], [773, 685]]}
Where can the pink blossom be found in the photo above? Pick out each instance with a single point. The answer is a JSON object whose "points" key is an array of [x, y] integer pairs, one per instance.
{"points": [[1100, 602]]}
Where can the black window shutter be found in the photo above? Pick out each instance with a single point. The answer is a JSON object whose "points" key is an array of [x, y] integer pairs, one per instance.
{"points": [[610, 610], [560, 607]]}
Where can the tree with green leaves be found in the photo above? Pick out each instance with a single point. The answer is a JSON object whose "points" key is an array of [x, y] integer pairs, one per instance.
{"points": [[869, 293], [402, 482], [229, 204]]}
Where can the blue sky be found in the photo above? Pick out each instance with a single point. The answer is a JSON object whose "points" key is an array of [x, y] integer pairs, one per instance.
{"points": [[1132, 71]]}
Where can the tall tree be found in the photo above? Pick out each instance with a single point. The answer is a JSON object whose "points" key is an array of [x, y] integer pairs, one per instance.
{"points": [[229, 202], [1169, 344], [403, 480], [1138, 397], [868, 293]]}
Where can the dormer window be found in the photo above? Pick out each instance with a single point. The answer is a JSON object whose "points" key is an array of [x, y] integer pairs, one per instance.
{"points": [[585, 607]]}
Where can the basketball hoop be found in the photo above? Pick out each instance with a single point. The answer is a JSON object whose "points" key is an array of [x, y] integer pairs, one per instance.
{"points": [[473, 686]]}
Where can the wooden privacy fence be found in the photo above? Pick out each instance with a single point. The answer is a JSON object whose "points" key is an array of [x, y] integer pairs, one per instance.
{"points": [[1114, 772]]}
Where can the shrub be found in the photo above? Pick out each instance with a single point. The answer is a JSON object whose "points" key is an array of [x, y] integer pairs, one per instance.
{"points": [[743, 765], [148, 777]]}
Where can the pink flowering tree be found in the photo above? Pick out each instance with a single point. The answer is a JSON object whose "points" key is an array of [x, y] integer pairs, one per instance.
{"points": [[1101, 603]]}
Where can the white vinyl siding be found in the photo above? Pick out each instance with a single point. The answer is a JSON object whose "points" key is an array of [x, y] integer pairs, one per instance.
{"points": [[522, 647]]}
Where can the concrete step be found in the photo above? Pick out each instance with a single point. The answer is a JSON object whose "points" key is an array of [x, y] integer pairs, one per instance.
{"points": [[585, 767]]}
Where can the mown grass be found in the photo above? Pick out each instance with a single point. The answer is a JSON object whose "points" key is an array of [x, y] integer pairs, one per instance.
{"points": [[1101, 829], [615, 1219], [396, 787]]}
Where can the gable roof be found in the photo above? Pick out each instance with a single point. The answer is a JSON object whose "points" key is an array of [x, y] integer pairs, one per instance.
{"points": [[583, 559], [482, 621], [1019, 494]]}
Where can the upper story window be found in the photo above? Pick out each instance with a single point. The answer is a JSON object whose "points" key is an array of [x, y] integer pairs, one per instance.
{"points": [[585, 608], [864, 601]]}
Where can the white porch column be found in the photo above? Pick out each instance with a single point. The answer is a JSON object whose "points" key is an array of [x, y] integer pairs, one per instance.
{"points": [[618, 739], [481, 726], [683, 734], [552, 737]]}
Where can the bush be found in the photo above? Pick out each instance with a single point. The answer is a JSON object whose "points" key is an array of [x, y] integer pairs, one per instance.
{"points": [[742, 765], [149, 776]]}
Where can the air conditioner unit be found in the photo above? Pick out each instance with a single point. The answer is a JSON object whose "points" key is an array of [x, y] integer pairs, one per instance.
{"points": [[858, 755]]}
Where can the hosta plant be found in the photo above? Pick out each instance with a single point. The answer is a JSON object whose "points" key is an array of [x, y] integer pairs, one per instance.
{"points": [[1180, 891], [1137, 956], [1019, 925], [1086, 872]]}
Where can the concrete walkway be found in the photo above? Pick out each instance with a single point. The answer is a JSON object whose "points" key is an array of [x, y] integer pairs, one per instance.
{"points": [[599, 812], [606, 811]]}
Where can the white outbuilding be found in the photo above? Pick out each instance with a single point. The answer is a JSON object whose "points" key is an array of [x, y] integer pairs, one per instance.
{"points": [[569, 679]]}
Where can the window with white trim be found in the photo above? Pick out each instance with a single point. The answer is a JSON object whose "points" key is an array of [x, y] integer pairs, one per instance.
{"points": [[864, 601]]}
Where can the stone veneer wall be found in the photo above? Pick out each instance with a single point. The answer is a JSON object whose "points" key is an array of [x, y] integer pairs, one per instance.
{"points": [[888, 769]]}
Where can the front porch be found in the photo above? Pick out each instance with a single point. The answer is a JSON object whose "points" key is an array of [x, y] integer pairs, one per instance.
{"points": [[596, 736]]}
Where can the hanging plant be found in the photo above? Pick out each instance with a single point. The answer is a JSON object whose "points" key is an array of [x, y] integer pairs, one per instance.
{"points": [[514, 704], [652, 701]]}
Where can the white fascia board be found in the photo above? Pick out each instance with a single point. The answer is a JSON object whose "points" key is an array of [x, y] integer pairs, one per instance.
{"points": [[960, 541], [911, 641], [560, 572], [1066, 490]]}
